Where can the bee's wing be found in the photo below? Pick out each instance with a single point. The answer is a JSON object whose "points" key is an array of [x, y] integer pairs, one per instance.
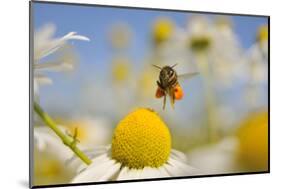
{"points": [[187, 75]]}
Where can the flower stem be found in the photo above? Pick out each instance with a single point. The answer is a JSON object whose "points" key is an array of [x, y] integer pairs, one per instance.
{"points": [[70, 142], [213, 126]]}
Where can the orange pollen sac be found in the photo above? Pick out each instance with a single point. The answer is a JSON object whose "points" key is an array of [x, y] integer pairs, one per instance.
{"points": [[178, 92], [159, 93]]}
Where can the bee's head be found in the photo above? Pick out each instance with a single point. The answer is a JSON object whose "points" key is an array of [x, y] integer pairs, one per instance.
{"points": [[167, 71]]}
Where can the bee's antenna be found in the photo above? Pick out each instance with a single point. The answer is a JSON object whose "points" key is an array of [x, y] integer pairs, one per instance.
{"points": [[157, 67], [174, 65]]}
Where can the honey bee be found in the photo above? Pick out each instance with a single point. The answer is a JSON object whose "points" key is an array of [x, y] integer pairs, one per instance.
{"points": [[168, 84]]}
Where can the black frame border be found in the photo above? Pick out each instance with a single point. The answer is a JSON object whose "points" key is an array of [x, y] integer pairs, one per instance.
{"points": [[31, 39]]}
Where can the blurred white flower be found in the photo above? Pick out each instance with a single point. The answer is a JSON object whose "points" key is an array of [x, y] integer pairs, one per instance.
{"points": [[221, 47], [91, 133], [217, 52], [257, 62], [45, 139], [46, 44], [120, 35], [50, 155], [245, 151], [216, 158]]}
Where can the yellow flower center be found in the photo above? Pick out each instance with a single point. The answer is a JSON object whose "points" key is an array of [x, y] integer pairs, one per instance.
{"points": [[262, 34], [253, 137], [141, 139], [82, 134], [120, 70], [71, 125], [162, 30], [200, 43], [49, 169]]}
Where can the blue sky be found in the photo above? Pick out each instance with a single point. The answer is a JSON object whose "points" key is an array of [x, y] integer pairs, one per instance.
{"points": [[95, 22]]}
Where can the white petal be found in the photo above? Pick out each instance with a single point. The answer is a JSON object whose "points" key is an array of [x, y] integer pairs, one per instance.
{"points": [[163, 172], [123, 175], [41, 144], [111, 173], [71, 35], [180, 169], [79, 37], [179, 156], [133, 174], [47, 141], [54, 44], [95, 153], [46, 32], [96, 171], [173, 171], [57, 66], [98, 160], [149, 172], [41, 79], [47, 51]]}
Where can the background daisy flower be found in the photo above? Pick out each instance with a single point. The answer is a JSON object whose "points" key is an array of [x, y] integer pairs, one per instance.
{"points": [[245, 151], [257, 67], [50, 157], [45, 44]]}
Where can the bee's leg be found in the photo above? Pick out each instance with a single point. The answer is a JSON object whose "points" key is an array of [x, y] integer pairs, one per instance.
{"points": [[164, 102], [172, 98], [159, 85], [173, 102]]}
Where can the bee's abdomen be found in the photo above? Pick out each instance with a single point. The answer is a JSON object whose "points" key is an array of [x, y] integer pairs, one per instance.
{"points": [[172, 79], [169, 81]]}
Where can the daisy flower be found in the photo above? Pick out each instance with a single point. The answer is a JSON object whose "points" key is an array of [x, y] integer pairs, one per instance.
{"points": [[140, 148], [257, 61], [253, 141], [246, 150], [50, 155], [221, 68], [207, 42], [258, 57], [162, 30], [44, 138], [121, 70], [45, 44], [216, 158], [120, 36]]}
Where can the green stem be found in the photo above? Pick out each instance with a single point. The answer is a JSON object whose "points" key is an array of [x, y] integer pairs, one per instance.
{"points": [[70, 142], [209, 96]]}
